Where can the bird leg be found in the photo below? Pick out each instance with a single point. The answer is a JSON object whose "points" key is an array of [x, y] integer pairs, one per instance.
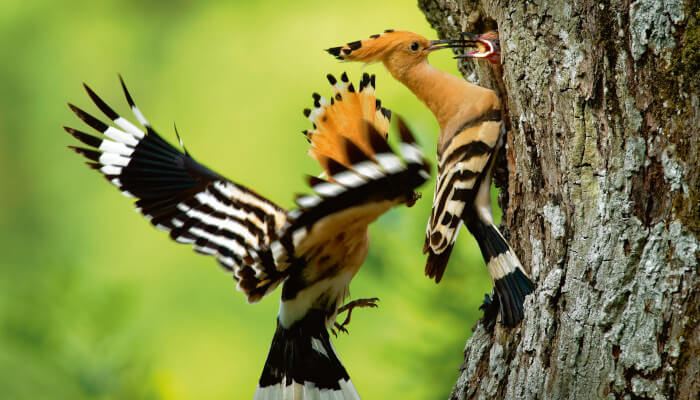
{"points": [[349, 307]]}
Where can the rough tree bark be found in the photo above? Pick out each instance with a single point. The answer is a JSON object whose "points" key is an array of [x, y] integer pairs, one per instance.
{"points": [[601, 197]]}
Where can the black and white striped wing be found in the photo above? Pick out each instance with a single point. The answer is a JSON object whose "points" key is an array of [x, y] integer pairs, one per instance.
{"points": [[177, 194], [462, 165], [369, 187]]}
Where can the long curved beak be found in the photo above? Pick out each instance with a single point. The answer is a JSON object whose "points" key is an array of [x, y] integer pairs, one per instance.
{"points": [[475, 40], [449, 44]]}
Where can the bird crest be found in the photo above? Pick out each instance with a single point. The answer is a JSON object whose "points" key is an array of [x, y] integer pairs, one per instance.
{"points": [[376, 47], [343, 119]]}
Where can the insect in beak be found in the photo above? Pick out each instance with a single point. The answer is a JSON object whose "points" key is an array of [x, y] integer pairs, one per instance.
{"points": [[485, 48], [449, 44]]}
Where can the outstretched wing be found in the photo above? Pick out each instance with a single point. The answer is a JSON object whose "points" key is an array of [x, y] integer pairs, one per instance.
{"points": [[181, 196], [353, 196], [463, 163]]}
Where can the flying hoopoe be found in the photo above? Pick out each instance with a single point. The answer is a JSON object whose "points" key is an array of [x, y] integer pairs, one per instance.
{"points": [[471, 133], [313, 251]]}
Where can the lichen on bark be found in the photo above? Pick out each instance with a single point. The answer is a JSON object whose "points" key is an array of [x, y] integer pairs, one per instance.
{"points": [[600, 199]]}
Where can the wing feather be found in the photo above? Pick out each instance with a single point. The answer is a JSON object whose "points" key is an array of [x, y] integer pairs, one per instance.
{"points": [[463, 162], [357, 195], [177, 194]]}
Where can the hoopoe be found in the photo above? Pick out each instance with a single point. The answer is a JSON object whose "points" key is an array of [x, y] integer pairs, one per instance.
{"points": [[471, 133], [313, 251]]}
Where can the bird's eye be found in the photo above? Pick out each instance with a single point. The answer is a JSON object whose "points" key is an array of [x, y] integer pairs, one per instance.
{"points": [[414, 46], [497, 42]]}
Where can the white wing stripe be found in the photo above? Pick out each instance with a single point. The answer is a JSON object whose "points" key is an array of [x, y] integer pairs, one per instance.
{"points": [[219, 240], [308, 201], [298, 236], [184, 240], [111, 170], [349, 179], [368, 169], [114, 159], [115, 134], [411, 153], [233, 192], [223, 223], [389, 162], [139, 116], [328, 189], [227, 261], [115, 147], [277, 250], [294, 214], [208, 199], [129, 127], [206, 250]]}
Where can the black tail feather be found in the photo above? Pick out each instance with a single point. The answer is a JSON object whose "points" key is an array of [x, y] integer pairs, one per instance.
{"points": [[511, 283], [303, 355]]}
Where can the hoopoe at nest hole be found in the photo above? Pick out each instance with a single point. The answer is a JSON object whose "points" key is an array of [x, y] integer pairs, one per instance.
{"points": [[471, 133], [313, 251]]}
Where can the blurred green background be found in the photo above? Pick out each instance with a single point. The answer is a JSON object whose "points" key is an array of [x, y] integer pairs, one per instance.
{"points": [[95, 303]]}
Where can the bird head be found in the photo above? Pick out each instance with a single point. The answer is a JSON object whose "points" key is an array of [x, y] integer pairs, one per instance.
{"points": [[487, 46], [398, 50]]}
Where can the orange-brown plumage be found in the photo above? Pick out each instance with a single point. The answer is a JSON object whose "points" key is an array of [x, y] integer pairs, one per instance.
{"points": [[343, 118], [471, 132], [405, 55], [378, 47]]}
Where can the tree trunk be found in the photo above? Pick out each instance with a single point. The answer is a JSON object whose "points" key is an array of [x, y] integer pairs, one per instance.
{"points": [[601, 197]]}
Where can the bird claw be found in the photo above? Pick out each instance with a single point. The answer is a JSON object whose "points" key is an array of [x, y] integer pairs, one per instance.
{"points": [[340, 328], [415, 196], [371, 302], [490, 308]]}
